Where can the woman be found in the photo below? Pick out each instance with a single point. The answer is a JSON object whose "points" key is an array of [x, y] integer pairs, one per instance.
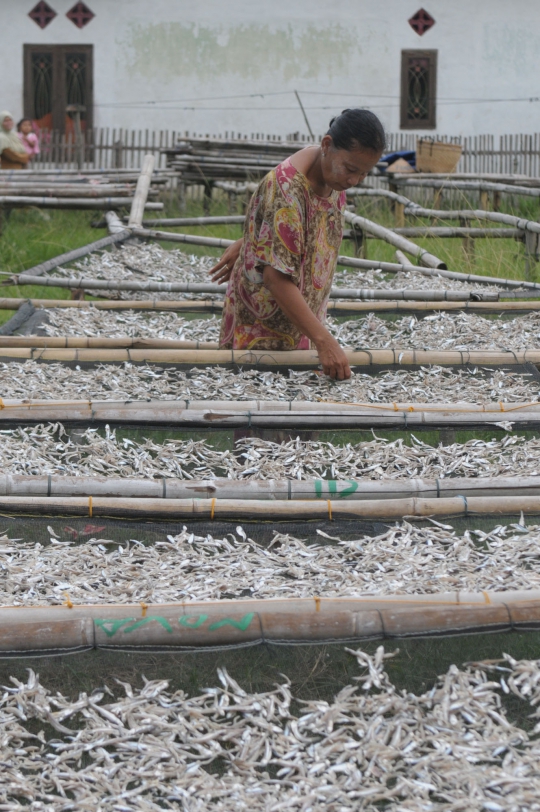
{"points": [[280, 273], [12, 153]]}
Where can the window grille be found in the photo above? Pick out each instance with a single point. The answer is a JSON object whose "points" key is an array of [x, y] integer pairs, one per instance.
{"points": [[418, 90]]}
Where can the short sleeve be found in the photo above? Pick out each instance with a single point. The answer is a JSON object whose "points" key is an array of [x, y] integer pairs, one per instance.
{"points": [[278, 235]]}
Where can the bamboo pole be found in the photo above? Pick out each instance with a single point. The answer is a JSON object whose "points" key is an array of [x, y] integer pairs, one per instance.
{"points": [[73, 190], [350, 490], [101, 342], [270, 414], [283, 358], [475, 214], [77, 253], [461, 231], [141, 192], [195, 625], [80, 203], [74, 283], [395, 239], [274, 510], [235, 219], [467, 185], [334, 307]]}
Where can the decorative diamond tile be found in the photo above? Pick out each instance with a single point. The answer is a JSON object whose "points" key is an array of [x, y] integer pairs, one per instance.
{"points": [[421, 22], [80, 15], [42, 14]]}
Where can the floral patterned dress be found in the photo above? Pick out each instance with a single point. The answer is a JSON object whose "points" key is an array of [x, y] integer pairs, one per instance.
{"points": [[296, 232]]}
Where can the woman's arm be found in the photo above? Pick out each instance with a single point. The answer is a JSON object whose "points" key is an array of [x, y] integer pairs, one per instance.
{"points": [[292, 303], [221, 272], [15, 157]]}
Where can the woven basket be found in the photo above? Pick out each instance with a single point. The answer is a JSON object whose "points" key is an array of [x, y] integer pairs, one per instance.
{"points": [[436, 156]]}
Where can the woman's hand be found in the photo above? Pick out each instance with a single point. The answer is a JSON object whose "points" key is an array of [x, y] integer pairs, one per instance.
{"points": [[221, 272], [333, 359]]}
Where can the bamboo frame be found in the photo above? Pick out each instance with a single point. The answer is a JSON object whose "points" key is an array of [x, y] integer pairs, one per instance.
{"points": [[283, 358], [101, 342], [195, 625]]}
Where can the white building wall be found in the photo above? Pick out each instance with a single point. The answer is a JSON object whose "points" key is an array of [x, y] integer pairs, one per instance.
{"points": [[175, 64]]}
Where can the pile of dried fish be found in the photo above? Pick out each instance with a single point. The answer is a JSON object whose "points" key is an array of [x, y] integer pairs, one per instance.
{"points": [[143, 263], [49, 449], [130, 382], [405, 559], [442, 331], [350, 278], [451, 749], [109, 324]]}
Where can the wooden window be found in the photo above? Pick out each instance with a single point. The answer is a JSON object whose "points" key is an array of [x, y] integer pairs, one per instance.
{"points": [[418, 90], [56, 76]]}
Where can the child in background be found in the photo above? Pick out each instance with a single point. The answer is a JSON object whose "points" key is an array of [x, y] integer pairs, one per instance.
{"points": [[28, 137]]}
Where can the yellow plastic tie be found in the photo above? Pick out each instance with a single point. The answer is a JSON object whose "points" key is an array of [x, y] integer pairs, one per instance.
{"points": [[67, 601], [212, 507], [2, 405], [502, 406], [144, 607], [317, 604], [329, 503], [486, 596], [395, 407], [90, 506]]}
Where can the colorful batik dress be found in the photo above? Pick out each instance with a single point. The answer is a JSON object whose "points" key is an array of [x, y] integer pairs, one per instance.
{"points": [[298, 233]]}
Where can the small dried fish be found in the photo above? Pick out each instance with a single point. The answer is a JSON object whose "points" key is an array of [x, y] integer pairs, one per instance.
{"points": [[129, 382], [450, 749], [405, 559]]}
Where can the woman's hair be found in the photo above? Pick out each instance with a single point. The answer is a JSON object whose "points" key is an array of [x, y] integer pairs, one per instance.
{"points": [[21, 122], [355, 128]]}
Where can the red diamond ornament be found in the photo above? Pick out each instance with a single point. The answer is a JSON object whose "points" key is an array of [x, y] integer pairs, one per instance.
{"points": [[421, 22], [42, 14], [80, 15]]}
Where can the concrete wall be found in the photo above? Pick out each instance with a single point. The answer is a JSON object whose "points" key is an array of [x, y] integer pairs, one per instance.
{"points": [[175, 64]]}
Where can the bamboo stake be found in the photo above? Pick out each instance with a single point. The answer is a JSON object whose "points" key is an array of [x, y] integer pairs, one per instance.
{"points": [[141, 193], [351, 490], [394, 239], [236, 219], [284, 358], [209, 287]]}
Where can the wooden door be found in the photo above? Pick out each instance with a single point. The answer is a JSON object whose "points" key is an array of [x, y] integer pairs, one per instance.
{"points": [[56, 76]]}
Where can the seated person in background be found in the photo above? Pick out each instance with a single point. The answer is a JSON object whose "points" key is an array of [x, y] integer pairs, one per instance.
{"points": [[12, 153], [27, 137]]}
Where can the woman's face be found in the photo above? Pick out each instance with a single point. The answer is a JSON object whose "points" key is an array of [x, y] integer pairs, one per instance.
{"points": [[7, 123], [343, 168]]}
